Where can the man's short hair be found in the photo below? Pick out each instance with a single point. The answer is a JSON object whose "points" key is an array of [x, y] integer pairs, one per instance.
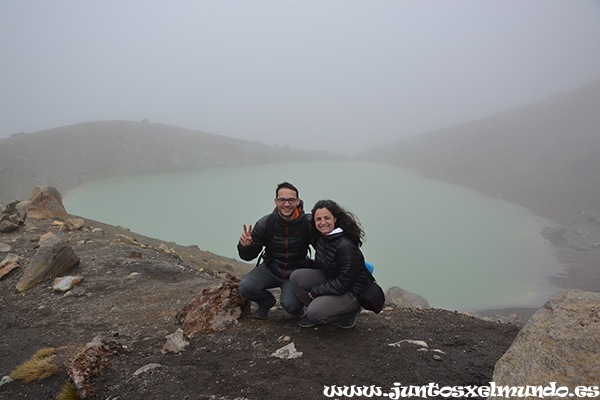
{"points": [[286, 185]]}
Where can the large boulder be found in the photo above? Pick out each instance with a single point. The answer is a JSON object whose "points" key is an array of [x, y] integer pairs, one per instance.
{"points": [[215, 310], [560, 343], [404, 298], [53, 258], [45, 202]]}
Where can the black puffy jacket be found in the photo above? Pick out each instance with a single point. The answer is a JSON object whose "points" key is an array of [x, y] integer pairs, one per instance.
{"points": [[343, 264], [285, 242]]}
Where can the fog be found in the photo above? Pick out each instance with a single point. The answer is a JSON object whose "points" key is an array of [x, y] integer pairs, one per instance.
{"points": [[335, 75]]}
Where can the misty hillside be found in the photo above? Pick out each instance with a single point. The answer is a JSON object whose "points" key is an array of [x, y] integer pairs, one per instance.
{"points": [[71, 155], [544, 156]]}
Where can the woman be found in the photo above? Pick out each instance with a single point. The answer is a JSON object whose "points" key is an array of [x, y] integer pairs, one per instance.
{"points": [[330, 290]]}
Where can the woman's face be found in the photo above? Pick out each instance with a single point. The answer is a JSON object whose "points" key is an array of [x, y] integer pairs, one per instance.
{"points": [[324, 220]]}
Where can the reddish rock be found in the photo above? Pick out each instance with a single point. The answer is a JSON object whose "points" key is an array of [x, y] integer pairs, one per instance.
{"points": [[45, 202], [215, 310], [8, 264], [45, 236], [88, 364]]}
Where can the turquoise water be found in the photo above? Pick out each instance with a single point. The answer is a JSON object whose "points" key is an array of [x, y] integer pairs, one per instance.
{"points": [[455, 247]]}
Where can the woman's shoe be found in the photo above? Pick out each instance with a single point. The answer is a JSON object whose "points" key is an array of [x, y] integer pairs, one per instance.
{"points": [[306, 323], [348, 323]]}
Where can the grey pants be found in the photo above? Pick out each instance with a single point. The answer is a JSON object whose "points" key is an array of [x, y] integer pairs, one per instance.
{"points": [[324, 309]]}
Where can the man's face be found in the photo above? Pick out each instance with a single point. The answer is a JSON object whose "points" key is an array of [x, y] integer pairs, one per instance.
{"points": [[286, 203]]}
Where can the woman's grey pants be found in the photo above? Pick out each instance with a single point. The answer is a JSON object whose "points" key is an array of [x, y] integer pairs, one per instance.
{"points": [[323, 309]]}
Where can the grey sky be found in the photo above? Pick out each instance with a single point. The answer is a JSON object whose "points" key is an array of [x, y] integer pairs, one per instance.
{"points": [[335, 75]]}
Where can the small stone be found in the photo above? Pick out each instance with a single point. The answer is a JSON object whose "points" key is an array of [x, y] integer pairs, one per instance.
{"points": [[5, 248], [164, 248], [6, 379], [136, 254], [415, 342], [146, 368], [175, 342], [73, 224], [66, 283], [287, 352], [437, 358]]}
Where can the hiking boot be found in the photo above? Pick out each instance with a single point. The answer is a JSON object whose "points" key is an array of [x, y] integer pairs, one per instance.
{"points": [[348, 323], [307, 323], [263, 312]]}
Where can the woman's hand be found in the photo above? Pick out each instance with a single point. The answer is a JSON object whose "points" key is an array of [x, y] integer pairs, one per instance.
{"points": [[246, 238]]}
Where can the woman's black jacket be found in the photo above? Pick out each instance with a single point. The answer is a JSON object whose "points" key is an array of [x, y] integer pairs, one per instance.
{"points": [[343, 264]]}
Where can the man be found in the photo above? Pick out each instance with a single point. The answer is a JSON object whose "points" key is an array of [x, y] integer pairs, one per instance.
{"points": [[285, 236]]}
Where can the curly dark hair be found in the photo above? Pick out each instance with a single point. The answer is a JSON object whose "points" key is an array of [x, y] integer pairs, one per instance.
{"points": [[344, 219]]}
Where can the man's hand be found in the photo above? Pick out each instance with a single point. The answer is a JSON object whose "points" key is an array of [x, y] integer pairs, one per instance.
{"points": [[246, 238]]}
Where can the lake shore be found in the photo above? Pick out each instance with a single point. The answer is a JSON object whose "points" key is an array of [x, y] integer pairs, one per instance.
{"points": [[575, 251], [575, 237]]}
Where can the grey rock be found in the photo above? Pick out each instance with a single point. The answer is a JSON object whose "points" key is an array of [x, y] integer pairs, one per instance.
{"points": [[175, 342], [146, 368], [66, 283], [287, 352], [6, 379], [73, 224], [404, 298], [9, 208], [560, 343], [53, 258], [7, 226]]}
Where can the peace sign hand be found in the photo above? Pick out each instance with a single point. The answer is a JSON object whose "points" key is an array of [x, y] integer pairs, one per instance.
{"points": [[246, 238]]}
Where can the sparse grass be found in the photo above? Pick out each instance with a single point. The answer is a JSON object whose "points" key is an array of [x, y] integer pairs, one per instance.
{"points": [[44, 353], [68, 393], [44, 363], [40, 366]]}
